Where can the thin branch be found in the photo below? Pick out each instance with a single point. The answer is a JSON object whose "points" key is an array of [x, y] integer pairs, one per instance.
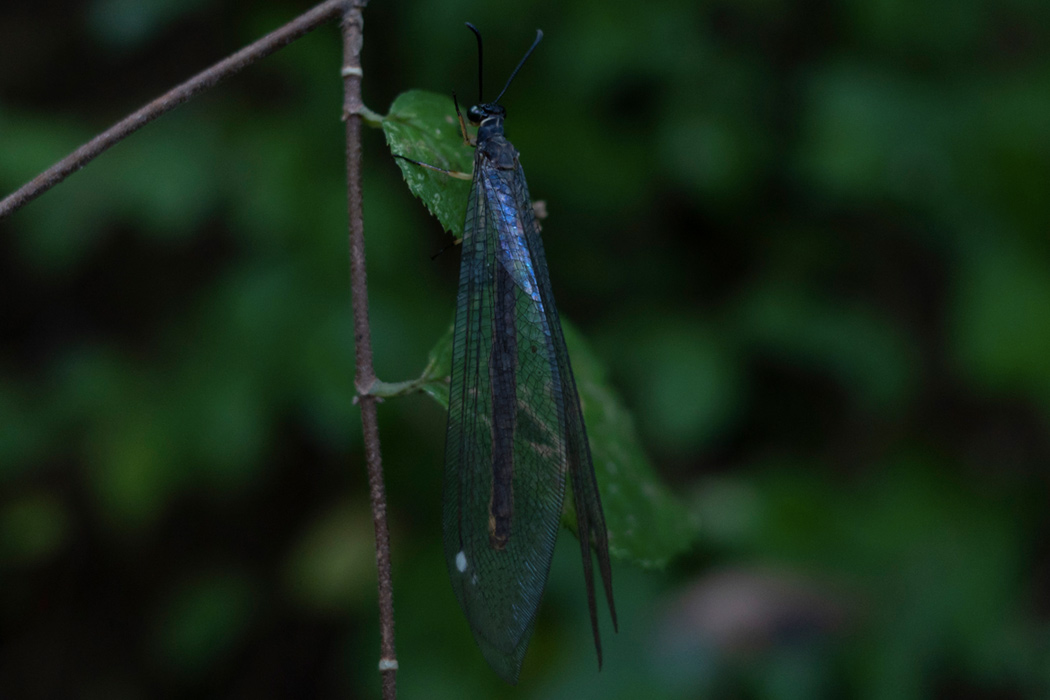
{"points": [[353, 113], [76, 160]]}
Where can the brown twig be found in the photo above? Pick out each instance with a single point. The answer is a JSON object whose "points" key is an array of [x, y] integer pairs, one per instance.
{"points": [[353, 107], [325, 12]]}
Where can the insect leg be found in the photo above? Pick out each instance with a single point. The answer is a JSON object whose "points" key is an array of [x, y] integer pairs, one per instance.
{"points": [[462, 124], [451, 173]]}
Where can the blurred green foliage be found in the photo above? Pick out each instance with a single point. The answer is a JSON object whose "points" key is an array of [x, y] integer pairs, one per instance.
{"points": [[808, 241]]}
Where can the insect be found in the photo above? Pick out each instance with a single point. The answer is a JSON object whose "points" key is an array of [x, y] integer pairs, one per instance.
{"points": [[515, 426]]}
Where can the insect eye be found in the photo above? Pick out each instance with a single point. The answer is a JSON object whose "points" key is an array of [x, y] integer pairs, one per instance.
{"points": [[474, 115]]}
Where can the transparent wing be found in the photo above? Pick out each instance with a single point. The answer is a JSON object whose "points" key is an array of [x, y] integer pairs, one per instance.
{"points": [[506, 453], [590, 521]]}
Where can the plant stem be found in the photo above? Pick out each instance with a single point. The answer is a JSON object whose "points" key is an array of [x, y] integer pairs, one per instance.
{"points": [[365, 377]]}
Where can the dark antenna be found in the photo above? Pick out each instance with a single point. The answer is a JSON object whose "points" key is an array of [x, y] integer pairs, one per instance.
{"points": [[539, 35], [480, 62]]}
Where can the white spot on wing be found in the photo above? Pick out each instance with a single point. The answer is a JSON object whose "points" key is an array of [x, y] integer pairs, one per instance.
{"points": [[461, 562]]}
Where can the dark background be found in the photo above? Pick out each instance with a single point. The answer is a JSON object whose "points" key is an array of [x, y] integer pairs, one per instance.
{"points": [[808, 239]]}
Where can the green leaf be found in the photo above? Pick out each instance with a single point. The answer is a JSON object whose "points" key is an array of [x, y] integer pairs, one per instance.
{"points": [[647, 524], [423, 126], [434, 379], [439, 367]]}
